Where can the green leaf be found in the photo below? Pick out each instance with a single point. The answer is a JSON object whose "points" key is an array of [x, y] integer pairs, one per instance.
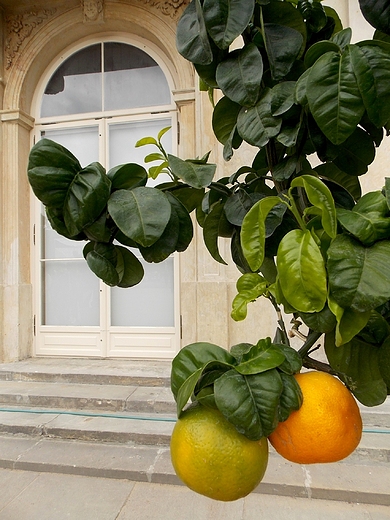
{"points": [[357, 362], [302, 273], [317, 50], [253, 231], [162, 132], [141, 214], [99, 231], [132, 271], [250, 286], [166, 244], [194, 357], [197, 175], [239, 76], [186, 228], [322, 321], [145, 141], [359, 276], [349, 322], [369, 220], [250, 402], [314, 14], [51, 169], [293, 362], [320, 196], [285, 14], [282, 97], [349, 182], [256, 125], [261, 357], [355, 153], [225, 119], [191, 36], [86, 197], [377, 13], [343, 38], [291, 397], [127, 176], [371, 63], [102, 260], [283, 45], [216, 225], [56, 219], [334, 96], [227, 19], [384, 362]]}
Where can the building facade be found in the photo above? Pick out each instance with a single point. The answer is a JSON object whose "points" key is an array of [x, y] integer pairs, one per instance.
{"points": [[65, 71]]}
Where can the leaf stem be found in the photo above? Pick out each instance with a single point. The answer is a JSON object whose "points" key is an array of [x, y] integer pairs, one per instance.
{"points": [[280, 319]]}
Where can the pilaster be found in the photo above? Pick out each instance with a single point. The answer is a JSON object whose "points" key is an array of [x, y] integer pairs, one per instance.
{"points": [[15, 233]]}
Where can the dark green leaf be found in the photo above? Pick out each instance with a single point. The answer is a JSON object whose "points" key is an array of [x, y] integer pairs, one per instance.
{"points": [[317, 50], [216, 225], [356, 153], [166, 244], [384, 362], [127, 176], [349, 182], [357, 361], [141, 214], [282, 97], [314, 14], [283, 45], [86, 197], [238, 205], [189, 197], [98, 231], [250, 402], [132, 270], [371, 66], [239, 76], [334, 97], [191, 36], [369, 221], [359, 277], [197, 175], [293, 362], [343, 38], [291, 397], [377, 13], [186, 229], [225, 119], [102, 260], [56, 219], [194, 357], [256, 125], [261, 357], [323, 321], [227, 19]]}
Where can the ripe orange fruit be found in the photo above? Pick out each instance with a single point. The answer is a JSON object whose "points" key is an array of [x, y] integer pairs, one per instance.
{"points": [[327, 427], [212, 458]]}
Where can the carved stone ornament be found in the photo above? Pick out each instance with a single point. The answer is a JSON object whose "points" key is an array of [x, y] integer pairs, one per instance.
{"points": [[93, 11], [168, 7], [20, 27]]}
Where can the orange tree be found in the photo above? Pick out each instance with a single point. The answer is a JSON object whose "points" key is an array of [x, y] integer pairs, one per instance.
{"points": [[303, 237]]}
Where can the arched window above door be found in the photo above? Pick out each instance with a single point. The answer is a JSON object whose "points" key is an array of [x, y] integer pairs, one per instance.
{"points": [[106, 76]]}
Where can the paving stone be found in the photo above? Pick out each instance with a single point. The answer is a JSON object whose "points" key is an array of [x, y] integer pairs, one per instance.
{"points": [[12, 483], [64, 497]]}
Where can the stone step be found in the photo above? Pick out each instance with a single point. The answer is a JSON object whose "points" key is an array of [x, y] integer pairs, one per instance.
{"points": [[76, 396], [126, 428], [348, 481], [89, 371]]}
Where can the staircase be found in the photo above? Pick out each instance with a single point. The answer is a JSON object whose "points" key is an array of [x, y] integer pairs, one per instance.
{"points": [[114, 418]]}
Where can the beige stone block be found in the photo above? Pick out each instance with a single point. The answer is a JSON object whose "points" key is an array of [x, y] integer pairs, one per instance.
{"points": [[212, 313], [188, 297]]}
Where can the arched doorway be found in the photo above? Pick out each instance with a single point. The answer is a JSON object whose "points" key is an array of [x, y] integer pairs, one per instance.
{"points": [[98, 102]]}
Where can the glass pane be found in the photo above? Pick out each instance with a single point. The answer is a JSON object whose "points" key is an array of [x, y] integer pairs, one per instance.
{"points": [[83, 142], [76, 86], [132, 78], [123, 136], [149, 304], [70, 294], [70, 291]]}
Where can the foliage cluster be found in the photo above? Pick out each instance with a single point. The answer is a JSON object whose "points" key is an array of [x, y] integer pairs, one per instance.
{"points": [[302, 235]]}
